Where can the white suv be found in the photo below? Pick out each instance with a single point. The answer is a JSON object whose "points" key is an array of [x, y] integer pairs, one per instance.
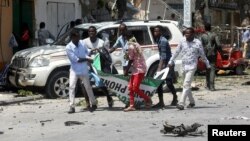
{"points": [[48, 66]]}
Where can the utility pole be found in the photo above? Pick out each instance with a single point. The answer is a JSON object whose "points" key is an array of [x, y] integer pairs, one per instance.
{"points": [[187, 15], [147, 8]]}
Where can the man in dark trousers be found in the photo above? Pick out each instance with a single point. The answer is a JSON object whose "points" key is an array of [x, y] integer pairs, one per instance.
{"points": [[165, 55], [211, 44]]}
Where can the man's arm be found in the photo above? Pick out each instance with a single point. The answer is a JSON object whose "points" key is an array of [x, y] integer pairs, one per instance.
{"points": [[203, 56], [177, 52], [128, 67]]}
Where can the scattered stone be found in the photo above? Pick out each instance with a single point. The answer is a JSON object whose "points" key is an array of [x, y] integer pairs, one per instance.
{"points": [[10, 128], [72, 123], [1, 132], [104, 124], [118, 131], [40, 107]]}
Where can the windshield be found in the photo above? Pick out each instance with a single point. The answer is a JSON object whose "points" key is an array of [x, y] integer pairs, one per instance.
{"points": [[65, 38]]}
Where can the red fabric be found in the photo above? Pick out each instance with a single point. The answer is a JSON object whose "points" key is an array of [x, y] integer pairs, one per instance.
{"points": [[25, 36], [134, 87]]}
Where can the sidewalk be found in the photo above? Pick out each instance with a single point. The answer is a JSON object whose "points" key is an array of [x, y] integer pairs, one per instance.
{"points": [[9, 98]]}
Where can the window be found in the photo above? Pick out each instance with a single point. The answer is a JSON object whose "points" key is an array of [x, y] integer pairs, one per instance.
{"points": [[165, 32], [141, 34], [111, 34]]}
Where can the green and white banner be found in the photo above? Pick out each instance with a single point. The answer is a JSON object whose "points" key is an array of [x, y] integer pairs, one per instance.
{"points": [[118, 84]]}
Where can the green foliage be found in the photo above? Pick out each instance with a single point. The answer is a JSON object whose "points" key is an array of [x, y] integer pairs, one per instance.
{"points": [[23, 93]]}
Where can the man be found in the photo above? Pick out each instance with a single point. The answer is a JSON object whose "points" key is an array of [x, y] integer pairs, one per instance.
{"points": [[94, 44], [245, 41], [165, 55], [43, 35], [190, 49], [211, 46], [78, 56], [122, 43]]}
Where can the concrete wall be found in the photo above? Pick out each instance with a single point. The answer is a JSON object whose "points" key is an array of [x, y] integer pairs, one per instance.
{"points": [[41, 10], [5, 31]]}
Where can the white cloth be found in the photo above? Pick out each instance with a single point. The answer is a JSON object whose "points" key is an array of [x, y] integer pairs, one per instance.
{"points": [[99, 43]]}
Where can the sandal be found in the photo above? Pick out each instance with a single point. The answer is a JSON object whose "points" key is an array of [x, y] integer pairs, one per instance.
{"points": [[130, 108]]}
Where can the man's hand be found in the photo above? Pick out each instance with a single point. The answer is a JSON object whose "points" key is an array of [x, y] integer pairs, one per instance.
{"points": [[126, 72], [170, 65]]}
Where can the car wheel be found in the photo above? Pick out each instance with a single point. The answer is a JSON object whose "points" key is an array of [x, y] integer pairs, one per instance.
{"points": [[58, 85], [239, 70]]}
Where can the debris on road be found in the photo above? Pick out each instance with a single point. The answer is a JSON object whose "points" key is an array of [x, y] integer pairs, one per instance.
{"points": [[182, 130], [1, 132], [72, 123], [246, 83], [236, 117], [43, 121]]}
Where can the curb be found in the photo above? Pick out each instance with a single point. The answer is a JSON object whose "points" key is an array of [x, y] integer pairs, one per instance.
{"points": [[20, 99]]}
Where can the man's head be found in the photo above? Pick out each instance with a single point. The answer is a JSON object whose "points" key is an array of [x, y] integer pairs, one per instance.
{"points": [[42, 25], [207, 26], [157, 31], [122, 29], [92, 32], [75, 37], [189, 34]]}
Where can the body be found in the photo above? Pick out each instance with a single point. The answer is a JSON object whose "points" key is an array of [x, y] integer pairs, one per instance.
{"points": [[190, 50], [44, 34], [165, 55], [78, 56], [94, 44], [121, 42], [138, 64], [210, 42]]}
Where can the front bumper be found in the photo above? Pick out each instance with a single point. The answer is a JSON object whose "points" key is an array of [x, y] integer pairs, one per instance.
{"points": [[20, 77]]}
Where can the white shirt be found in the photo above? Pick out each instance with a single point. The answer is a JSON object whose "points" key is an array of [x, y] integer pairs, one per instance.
{"points": [[190, 52], [91, 45]]}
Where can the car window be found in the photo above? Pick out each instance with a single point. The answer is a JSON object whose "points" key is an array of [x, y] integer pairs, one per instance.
{"points": [[141, 34], [110, 33], [65, 38], [165, 32]]}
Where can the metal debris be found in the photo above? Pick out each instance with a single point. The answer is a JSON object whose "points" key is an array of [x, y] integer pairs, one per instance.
{"points": [[182, 130]]}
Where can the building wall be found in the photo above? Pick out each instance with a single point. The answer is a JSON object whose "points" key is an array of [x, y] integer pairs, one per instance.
{"points": [[5, 31], [41, 11]]}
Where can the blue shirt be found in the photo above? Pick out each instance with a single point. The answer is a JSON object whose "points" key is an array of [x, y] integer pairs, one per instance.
{"points": [[74, 53], [246, 36], [164, 49], [121, 42]]}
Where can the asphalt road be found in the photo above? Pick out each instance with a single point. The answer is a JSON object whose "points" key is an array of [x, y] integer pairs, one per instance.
{"points": [[44, 120]]}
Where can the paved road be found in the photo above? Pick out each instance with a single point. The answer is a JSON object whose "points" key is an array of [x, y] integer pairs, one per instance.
{"points": [[44, 120]]}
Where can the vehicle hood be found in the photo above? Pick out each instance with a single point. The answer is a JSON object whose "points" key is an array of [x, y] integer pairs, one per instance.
{"points": [[40, 50]]}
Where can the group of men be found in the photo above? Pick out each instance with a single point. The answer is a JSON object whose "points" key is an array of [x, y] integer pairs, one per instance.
{"points": [[190, 48]]}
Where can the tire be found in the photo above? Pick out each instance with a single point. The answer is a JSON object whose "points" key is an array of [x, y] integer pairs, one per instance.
{"points": [[58, 85], [239, 70]]}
